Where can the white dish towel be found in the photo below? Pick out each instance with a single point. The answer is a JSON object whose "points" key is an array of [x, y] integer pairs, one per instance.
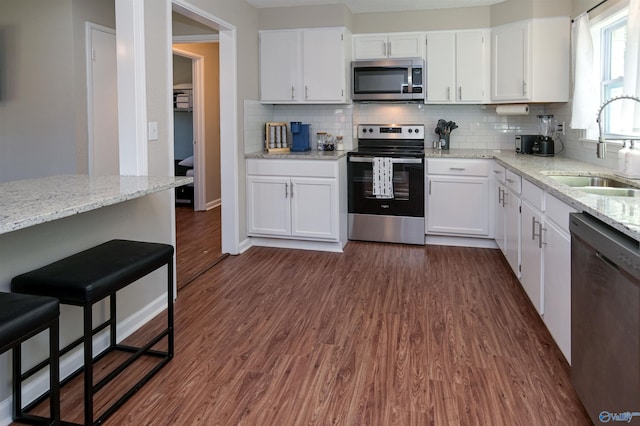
{"points": [[383, 177]]}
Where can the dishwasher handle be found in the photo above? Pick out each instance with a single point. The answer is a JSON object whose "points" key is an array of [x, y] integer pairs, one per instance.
{"points": [[610, 245]]}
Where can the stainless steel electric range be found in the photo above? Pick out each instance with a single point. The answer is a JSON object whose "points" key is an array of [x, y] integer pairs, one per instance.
{"points": [[397, 152]]}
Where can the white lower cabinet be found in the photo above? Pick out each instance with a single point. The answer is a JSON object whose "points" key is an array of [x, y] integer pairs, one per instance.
{"points": [[499, 217], [531, 248], [292, 205], [556, 241], [458, 197], [545, 260], [512, 229]]}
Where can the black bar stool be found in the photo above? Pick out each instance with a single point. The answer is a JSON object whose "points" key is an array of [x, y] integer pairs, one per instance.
{"points": [[90, 276], [22, 317]]}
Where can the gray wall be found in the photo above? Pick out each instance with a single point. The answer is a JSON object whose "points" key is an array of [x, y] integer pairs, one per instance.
{"points": [[44, 125]]}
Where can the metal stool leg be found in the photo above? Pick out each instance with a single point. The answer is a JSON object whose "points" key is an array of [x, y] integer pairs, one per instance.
{"points": [[54, 372], [17, 382], [88, 365], [170, 341]]}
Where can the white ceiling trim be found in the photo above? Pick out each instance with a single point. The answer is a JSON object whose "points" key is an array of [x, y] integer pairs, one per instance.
{"points": [[369, 6]]}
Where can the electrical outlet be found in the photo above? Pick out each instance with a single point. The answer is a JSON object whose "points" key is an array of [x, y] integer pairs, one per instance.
{"points": [[561, 128]]}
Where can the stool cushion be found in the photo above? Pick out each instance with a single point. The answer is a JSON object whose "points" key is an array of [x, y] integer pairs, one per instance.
{"points": [[23, 314], [95, 273]]}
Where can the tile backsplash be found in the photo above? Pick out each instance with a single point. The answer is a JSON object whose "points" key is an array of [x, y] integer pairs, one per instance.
{"points": [[479, 125]]}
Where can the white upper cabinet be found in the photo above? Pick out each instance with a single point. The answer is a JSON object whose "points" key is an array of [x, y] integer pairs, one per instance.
{"points": [[308, 65], [458, 66], [383, 46], [530, 61], [280, 59]]}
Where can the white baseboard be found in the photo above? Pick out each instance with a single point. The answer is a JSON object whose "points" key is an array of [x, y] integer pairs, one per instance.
{"points": [[245, 245], [441, 240], [213, 204], [297, 244], [36, 386]]}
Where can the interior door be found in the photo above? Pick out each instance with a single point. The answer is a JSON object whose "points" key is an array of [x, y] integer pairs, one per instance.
{"points": [[104, 158]]}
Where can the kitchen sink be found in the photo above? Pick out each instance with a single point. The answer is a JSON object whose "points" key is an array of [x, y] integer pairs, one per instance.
{"points": [[598, 185], [583, 181], [611, 191]]}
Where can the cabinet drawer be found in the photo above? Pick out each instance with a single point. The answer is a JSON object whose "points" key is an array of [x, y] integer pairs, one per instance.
{"points": [[499, 172], [302, 168], [513, 181], [533, 194], [458, 167], [558, 211]]}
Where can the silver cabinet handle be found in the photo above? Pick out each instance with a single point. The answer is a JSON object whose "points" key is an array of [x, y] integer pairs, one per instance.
{"points": [[504, 198], [291, 189], [293, 93], [459, 169], [384, 48], [524, 88], [448, 93], [497, 172], [533, 228], [460, 93], [286, 190], [389, 52], [500, 196], [540, 229], [306, 92], [429, 187]]}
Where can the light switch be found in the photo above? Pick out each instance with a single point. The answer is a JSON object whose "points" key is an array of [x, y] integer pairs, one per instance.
{"points": [[153, 130]]}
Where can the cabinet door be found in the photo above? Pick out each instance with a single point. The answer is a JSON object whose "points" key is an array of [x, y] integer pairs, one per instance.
{"points": [[370, 46], [441, 75], [458, 205], [406, 45], [323, 65], [531, 253], [471, 66], [512, 230], [268, 206], [557, 286], [499, 220], [510, 62], [314, 208], [280, 56]]}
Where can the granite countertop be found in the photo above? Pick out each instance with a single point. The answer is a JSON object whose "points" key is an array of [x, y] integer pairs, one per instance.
{"points": [[621, 213], [308, 155], [29, 202]]}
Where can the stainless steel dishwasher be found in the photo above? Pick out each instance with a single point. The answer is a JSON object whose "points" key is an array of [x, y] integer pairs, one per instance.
{"points": [[605, 320]]}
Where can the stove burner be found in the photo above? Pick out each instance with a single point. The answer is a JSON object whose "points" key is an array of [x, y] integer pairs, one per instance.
{"points": [[392, 140]]}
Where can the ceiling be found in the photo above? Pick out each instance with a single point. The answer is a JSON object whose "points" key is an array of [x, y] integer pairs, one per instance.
{"points": [[368, 6]]}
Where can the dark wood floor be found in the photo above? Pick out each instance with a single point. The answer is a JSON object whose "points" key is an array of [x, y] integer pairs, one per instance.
{"points": [[380, 335], [198, 243]]}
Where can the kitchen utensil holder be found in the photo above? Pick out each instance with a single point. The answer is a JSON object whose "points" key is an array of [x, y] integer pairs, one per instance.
{"points": [[276, 140]]}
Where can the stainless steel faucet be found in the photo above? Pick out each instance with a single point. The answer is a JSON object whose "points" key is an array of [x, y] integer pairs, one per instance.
{"points": [[601, 147]]}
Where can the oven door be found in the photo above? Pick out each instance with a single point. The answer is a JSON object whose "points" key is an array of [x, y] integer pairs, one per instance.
{"points": [[408, 188]]}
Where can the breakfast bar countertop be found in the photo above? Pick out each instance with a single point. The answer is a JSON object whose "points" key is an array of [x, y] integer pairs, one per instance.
{"points": [[30, 202]]}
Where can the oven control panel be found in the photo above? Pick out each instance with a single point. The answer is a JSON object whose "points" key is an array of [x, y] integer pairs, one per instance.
{"points": [[391, 131]]}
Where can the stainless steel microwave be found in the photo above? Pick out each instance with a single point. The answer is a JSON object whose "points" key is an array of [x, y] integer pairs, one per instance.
{"points": [[388, 80]]}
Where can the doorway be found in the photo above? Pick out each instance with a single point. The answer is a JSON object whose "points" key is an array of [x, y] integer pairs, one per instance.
{"points": [[196, 103]]}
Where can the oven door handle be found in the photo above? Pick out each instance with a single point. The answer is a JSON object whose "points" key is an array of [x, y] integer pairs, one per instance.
{"points": [[393, 160]]}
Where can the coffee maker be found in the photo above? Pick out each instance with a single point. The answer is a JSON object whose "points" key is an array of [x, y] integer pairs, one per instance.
{"points": [[543, 146], [300, 136]]}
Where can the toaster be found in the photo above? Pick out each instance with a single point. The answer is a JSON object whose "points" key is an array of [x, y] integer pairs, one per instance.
{"points": [[524, 143]]}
